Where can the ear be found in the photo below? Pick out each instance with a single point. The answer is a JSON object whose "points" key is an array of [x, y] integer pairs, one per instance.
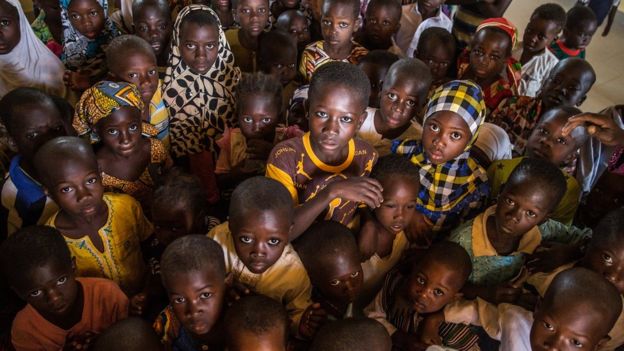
{"points": [[290, 230], [361, 119]]}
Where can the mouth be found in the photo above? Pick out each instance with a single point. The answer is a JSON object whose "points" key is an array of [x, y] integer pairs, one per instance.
{"points": [[89, 210], [257, 266], [397, 227], [435, 155], [155, 45], [419, 306], [91, 34], [126, 149], [394, 121], [60, 308], [201, 67], [328, 143], [198, 327], [554, 99], [539, 153]]}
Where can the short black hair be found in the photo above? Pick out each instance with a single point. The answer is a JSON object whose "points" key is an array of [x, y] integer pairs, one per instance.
{"points": [[130, 334], [179, 188], [579, 134], [260, 193], [162, 5], [540, 173], [33, 247], [283, 20], [576, 63], [391, 4], [439, 35], [609, 230], [415, 68], [450, 255], [255, 314], [201, 18], [551, 12], [23, 97], [258, 83], [354, 4], [192, 253], [578, 14], [342, 74], [379, 57], [394, 164], [270, 44], [124, 45], [361, 334], [66, 148]]}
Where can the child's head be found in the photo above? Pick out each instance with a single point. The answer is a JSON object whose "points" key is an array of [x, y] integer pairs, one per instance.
{"points": [[87, 17], [548, 143], [252, 15], [70, 175], [544, 25], [529, 196], [363, 334], [339, 20], [199, 40], [491, 47], [376, 64], [437, 278], [51, 8], [31, 119], [577, 312], [130, 334], [336, 107], [568, 83], [454, 114], [193, 273], [10, 29], [259, 104], [331, 257], [436, 48], [179, 207], [404, 92], [39, 268], [131, 59], [295, 23], [152, 22], [580, 26], [277, 55], [400, 180], [256, 323], [260, 219], [382, 21], [429, 6]]}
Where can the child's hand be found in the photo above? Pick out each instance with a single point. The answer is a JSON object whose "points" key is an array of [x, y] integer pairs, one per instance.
{"points": [[311, 320], [429, 328], [138, 303], [550, 255], [600, 126], [419, 231], [357, 189], [79, 342], [258, 149], [506, 293], [235, 290]]}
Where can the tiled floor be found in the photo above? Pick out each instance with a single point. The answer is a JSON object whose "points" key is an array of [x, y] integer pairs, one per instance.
{"points": [[606, 54]]}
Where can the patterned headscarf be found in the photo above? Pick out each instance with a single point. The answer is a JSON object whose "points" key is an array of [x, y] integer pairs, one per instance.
{"points": [[200, 105], [455, 190]]}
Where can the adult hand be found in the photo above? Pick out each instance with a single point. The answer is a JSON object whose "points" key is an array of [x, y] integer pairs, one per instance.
{"points": [[602, 127]]}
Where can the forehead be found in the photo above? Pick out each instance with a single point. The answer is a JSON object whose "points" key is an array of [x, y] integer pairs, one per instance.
{"points": [[60, 168], [450, 120], [34, 113], [572, 72], [555, 118], [83, 4], [338, 9], [337, 95], [410, 83], [41, 275], [491, 36], [274, 221], [542, 23], [438, 273], [151, 11], [340, 263], [396, 182], [196, 30], [384, 10], [7, 9], [195, 279], [583, 319], [253, 3], [585, 25]]}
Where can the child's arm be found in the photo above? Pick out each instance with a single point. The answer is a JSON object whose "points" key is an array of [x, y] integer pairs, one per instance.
{"points": [[376, 311], [561, 244]]}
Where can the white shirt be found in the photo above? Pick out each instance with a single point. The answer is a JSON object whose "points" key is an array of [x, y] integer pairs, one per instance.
{"points": [[535, 71], [412, 27], [369, 133]]}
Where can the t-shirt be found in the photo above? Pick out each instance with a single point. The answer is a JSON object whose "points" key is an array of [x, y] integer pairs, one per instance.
{"points": [[561, 51], [104, 304], [244, 58], [535, 71], [294, 164], [368, 133]]}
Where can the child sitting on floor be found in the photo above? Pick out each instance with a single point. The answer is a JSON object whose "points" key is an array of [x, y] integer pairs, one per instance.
{"points": [[436, 48], [360, 334], [381, 24], [252, 16], [103, 231], [277, 55], [580, 26], [152, 23], [62, 309], [376, 64]]}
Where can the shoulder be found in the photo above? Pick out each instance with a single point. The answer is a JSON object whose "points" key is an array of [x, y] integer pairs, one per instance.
{"points": [[105, 292], [288, 148], [122, 201]]}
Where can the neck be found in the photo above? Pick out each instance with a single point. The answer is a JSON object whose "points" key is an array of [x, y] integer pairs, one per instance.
{"points": [[338, 51], [385, 131], [502, 243], [334, 159], [247, 41]]}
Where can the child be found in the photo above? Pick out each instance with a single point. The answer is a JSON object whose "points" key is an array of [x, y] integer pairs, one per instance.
{"points": [[338, 23], [277, 55], [331, 258], [376, 64], [360, 334], [103, 231], [580, 26], [253, 16], [436, 48], [131, 59], [567, 85], [62, 309], [223, 9], [295, 23], [256, 323], [500, 239], [24, 60], [131, 334], [417, 17], [47, 26], [489, 62], [256, 248], [381, 24], [152, 22], [31, 119], [454, 186], [537, 60], [85, 41], [402, 98], [434, 281], [280, 6], [193, 273], [128, 161], [326, 170]]}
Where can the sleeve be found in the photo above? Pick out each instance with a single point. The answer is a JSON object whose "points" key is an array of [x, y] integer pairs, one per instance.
{"points": [[23, 336], [280, 166], [376, 311], [475, 312], [404, 147], [304, 64], [143, 226], [552, 230], [116, 302], [223, 160], [298, 298], [500, 112]]}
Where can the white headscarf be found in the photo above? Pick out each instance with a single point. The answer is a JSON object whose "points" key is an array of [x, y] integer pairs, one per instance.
{"points": [[30, 63], [494, 142]]}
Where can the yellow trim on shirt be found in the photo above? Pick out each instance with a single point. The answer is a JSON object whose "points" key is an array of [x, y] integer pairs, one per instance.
{"points": [[286, 180], [323, 166]]}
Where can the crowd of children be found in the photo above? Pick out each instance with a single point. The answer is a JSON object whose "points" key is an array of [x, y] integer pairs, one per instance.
{"points": [[306, 175]]}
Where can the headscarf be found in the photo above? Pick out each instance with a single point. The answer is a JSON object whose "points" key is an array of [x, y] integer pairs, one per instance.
{"points": [[100, 101], [494, 142], [454, 190], [200, 105], [512, 66], [30, 63], [80, 51]]}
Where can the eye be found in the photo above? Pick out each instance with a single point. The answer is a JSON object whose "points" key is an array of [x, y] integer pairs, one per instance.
{"points": [[35, 293], [385, 23], [410, 103], [274, 242], [346, 119], [343, 25], [321, 114], [245, 239], [577, 343], [392, 96], [62, 280], [607, 258], [531, 214], [420, 280], [247, 119], [438, 292], [5, 23], [548, 326], [434, 127], [262, 10], [494, 57], [132, 75], [211, 46], [509, 201], [246, 11], [133, 127], [334, 282], [74, 16], [152, 72], [93, 13], [542, 131], [162, 27], [178, 300], [91, 181], [142, 28], [205, 295], [66, 190], [112, 131], [562, 141], [32, 135], [279, 66], [355, 274], [456, 136], [190, 46], [267, 120], [326, 22]]}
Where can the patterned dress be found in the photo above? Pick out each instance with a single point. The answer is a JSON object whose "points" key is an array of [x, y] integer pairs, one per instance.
{"points": [[314, 56]]}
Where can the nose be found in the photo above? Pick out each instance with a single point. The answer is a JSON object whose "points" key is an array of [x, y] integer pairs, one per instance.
{"points": [[612, 273], [438, 142], [82, 193], [193, 309], [53, 295], [398, 213], [258, 251], [554, 342], [124, 136], [514, 214], [331, 126], [256, 127], [201, 52], [86, 21]]}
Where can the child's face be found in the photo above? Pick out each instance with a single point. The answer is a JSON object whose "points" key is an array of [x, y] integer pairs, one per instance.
{"points": [[290, 4], [260, 238], [253, 16], [298, 29], [37, 125], [488, 54], [140, 70], [87, 16], [579, 35], [341, 281], [399, 205], [271, 340], [51, 8], [221, 4], [438, 56], [197, 299], [338, 24], [608, 261], [428, 6], [10, 29], [521, 207], [284, 65], [445, 136], [199, 46], [171, 223], [399, 100], [258, 116], [538, 34], [121, 131], [548, 142], [381, 23], [335, 115], [154, 26], [431, 286], [375, 73], [566, 86]]}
